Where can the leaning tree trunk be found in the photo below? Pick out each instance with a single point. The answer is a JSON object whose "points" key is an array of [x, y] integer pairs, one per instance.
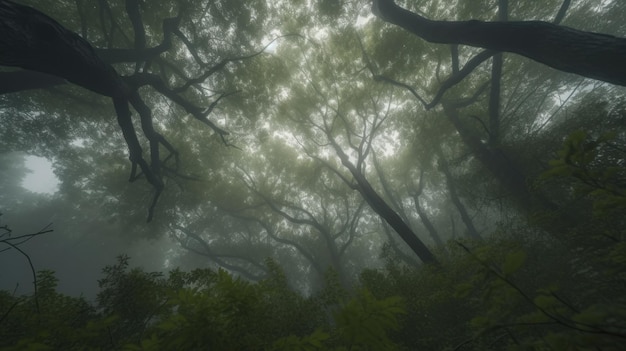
{"points": [[434, 234], [378, 205], [454, 197]]}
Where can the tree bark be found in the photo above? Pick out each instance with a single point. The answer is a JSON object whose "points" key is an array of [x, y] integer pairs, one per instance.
{"points": [[454, 197], [503, 169], [34, 41], [378, 204], [589, 54], [12, 82], [434, 234], [393, 219], [533, 204]]}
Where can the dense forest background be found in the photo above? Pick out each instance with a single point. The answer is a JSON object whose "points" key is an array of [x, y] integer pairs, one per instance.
{"points": [[313, 175]]}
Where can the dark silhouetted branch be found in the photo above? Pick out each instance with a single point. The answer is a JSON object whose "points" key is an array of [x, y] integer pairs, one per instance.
{"points": [[589, 54]]}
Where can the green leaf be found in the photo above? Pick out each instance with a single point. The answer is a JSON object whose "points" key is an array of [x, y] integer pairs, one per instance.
{"points": [[462, 290], [311, 342], [513, 262], [545, 301], [594, 315], [480, 322]]}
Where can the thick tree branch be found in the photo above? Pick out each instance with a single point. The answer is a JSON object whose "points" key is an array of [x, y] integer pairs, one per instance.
{"points": [[588, 54], [12, 82], [135, 150], [134, 15], [141, 79], [140, 53], [36, 42]]}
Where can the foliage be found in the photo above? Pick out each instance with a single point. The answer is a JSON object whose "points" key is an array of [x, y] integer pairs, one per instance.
{"points": [[589, 314], [137, 310], [49, 321], [583, 160], [482, 297], [530, 283]]}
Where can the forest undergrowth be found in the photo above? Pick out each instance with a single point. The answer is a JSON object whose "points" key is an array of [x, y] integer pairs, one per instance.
{"points": [[518, 290]]}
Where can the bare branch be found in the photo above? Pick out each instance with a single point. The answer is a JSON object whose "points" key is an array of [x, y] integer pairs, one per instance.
{"points": [[562, 12], [30, 262]]}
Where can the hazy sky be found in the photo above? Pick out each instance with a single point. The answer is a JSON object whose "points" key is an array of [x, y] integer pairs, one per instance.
{"points": [[76, 257], [42, 179]]}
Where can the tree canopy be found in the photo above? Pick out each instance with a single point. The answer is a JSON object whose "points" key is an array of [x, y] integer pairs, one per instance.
{"points": [[326, 174]]}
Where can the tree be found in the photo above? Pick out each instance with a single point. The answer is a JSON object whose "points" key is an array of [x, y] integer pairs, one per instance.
{"points": [[36, 42], [589, 54], [334, 113], [284, 206], [326, 125], [490, 131], [241, 257], [324, 217]]}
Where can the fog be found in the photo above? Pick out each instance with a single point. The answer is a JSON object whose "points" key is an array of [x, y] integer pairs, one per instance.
{"points": [[319, 175], [77, 255]]}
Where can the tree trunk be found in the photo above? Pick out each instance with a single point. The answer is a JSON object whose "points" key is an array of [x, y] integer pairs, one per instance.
{"points": [[422, 215], [535, 205], [31, 40], [427, 223], [378, 204], [588, 54], [454, 197], [393, 219], [504, 170]]}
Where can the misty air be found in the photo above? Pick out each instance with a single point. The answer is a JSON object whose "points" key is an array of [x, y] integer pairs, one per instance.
{"points": [[312, 175]]}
